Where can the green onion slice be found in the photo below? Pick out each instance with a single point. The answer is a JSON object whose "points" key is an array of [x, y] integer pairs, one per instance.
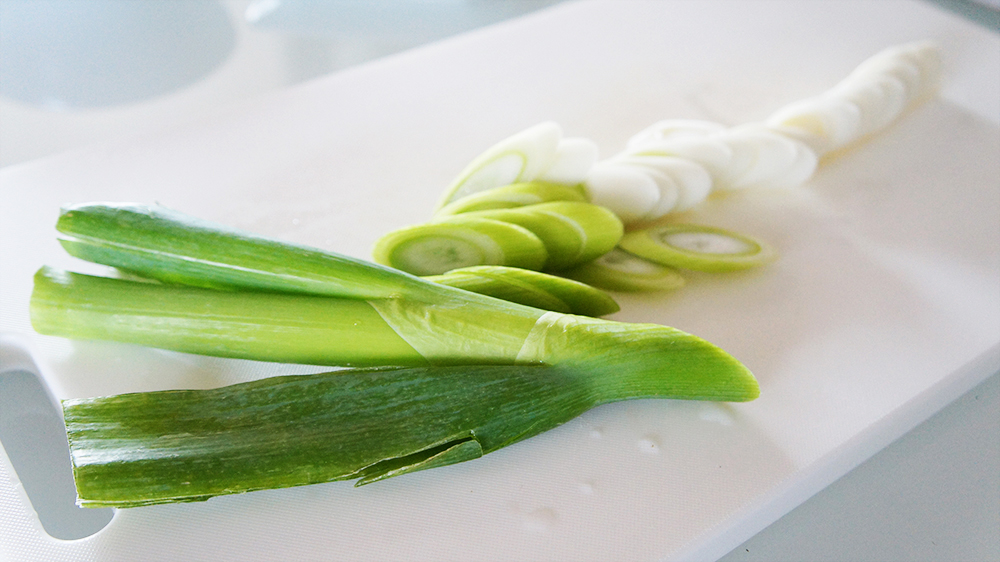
{"points": [[572, 232], [697, 247], [531, 288], [460, 241], [624, 272], [514, 195], [521, 157]]}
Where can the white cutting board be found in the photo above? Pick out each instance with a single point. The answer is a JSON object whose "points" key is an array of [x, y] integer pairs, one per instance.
{"points": [[884, 306]]}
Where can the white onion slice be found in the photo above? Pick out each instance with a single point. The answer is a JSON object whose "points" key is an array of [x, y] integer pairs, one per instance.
{"points": [[768, 159], [708, 152], [573, 160], [628, 191], [517, 158], [689, 181], [674, 129]]}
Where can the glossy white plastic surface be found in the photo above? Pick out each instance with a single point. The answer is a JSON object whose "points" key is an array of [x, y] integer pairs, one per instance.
{"points": [[884, 305]]}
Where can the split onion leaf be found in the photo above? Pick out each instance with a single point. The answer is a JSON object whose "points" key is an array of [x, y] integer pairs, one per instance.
{"points": [[365, 425], [531, 288]]}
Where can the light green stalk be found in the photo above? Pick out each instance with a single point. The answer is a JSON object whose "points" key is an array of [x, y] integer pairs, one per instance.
{"points": [[289, 328], [159, 243], [442, 325]]}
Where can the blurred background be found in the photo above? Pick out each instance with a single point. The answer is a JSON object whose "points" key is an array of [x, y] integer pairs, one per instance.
{"points": [[74, 73]]}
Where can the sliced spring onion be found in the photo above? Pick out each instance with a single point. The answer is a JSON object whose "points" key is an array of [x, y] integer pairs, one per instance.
{"points": [[572, 232], [574, 158], [621, 271], [518, 158], [762, 158], [531, 288], [674, 130], [690, 182], [514, 195], [871, 97], [630, 192], [697, 247], [460, 241]]}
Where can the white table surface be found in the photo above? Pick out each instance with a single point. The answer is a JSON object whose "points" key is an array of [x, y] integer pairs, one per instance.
{"points": [[934, 494]]}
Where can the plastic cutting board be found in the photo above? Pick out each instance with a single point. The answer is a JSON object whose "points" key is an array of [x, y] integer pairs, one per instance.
{"points": [[884, 305]]}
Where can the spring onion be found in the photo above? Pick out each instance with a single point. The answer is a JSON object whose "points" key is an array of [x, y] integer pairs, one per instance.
{"points": [[443, 325], [473, 373], [531, 288], [697, 247]]}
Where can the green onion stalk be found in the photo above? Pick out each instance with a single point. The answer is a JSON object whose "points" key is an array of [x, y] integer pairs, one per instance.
{"points": [[440, 375]]}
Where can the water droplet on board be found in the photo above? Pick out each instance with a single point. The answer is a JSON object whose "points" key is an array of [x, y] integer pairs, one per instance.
{"points": [[539, 520], [716, 414], [586, 488], [650, 444], [597, 433]]}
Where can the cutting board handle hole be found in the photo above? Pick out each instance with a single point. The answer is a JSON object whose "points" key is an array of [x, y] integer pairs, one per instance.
{"points": [[34, 438]]}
